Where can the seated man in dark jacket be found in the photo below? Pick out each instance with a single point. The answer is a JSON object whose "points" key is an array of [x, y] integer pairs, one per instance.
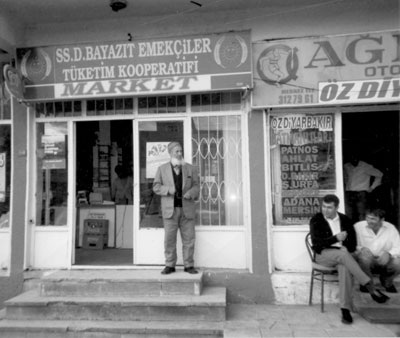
{"points": [[334, 240]]}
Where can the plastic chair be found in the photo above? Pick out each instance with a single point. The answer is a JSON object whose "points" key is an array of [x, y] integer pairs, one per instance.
{"points": [[319, 272]]}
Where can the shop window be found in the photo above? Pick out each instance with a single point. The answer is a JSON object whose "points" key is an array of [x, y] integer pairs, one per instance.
{"points": [[154, 137], [5, 175], [162, 104], [217, 152], [58, 109], [52, 174], [103, 107], [221, 101], [302, 165]]}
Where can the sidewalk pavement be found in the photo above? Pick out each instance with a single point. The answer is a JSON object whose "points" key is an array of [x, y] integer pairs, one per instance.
{"points": [[259, 321]]}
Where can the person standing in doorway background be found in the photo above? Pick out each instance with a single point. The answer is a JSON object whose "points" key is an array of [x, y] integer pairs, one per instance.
{"points": [[122, 188], [357, 177]]}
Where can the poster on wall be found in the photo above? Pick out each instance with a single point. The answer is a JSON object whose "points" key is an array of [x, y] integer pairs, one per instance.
{"points": [[362, 68], [303, 159], [54, 152], [3, 185], [156, 154]]}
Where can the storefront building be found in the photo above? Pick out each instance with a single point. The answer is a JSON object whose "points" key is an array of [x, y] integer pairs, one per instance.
{"points": [[326, 99], [266, 121]]}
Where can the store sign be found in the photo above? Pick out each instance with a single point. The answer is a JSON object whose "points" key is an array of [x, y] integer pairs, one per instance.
{"points": [[327, 70], [143, 67], [302, 151]]}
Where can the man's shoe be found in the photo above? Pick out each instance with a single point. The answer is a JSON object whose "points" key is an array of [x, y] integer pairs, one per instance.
{"points": [[379, 297], [346, 316], [191, 270], [391, 289], [363, 289], [167, 270]]}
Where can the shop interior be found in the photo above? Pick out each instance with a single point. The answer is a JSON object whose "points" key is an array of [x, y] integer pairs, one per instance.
{"points": [[374, 136], [104, 186]]}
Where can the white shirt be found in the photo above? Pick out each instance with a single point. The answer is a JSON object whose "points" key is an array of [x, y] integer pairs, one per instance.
{"points": [[358, 178], [387, 238], [334, 224]]}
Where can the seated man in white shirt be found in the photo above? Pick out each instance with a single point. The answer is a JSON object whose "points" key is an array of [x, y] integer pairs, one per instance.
{"points": [[378, 248]]}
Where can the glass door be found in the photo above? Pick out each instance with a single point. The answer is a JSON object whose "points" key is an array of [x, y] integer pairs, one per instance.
{"points": [[153, 138], [50, 220]]}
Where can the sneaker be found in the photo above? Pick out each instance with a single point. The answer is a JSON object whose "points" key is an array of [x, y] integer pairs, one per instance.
{"points": [[346, 316], [391, 289]]}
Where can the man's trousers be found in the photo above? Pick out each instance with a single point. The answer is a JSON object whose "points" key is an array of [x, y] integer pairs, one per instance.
{"points": [[347, 268], [387, 273], [187, 230]]}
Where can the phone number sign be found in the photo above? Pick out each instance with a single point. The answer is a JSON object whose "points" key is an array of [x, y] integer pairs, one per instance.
{"points": [[327, 70]]}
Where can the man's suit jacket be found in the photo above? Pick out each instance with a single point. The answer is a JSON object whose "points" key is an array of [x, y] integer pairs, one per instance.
{"points": [[164, 181], [323, 238]]}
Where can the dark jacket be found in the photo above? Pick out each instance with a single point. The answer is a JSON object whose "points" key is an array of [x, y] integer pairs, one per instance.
{"points": [[323, 238]]}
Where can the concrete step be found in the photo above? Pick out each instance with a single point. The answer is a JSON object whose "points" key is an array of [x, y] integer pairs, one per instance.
{"points": [[109, 329], [387, 313], [209, 306], [125, 283]]}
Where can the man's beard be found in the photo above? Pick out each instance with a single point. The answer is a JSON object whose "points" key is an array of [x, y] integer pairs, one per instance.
{"points": [[176, 161]]}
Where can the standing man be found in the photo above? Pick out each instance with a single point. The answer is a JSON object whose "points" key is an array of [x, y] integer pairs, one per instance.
{"points": [[178, 185], [334, 241], [378, 248], [358, 176]]}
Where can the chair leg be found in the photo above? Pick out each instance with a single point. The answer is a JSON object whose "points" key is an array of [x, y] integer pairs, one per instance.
{"points": [[322, 292], [311, 287]]}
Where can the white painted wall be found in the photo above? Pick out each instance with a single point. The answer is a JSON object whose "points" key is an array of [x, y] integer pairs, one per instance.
{"points": [[4, 249], [51, 248], [268, 23], [10, 34], [289, 252]]}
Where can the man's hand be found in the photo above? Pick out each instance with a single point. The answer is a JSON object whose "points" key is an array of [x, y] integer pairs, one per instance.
{"points": [[383, 258], [187, 196], [341, 236], [171, 190], [365, 252]]}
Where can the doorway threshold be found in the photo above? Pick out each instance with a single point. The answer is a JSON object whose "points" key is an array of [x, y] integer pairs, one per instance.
{"points": [[116, 267]]}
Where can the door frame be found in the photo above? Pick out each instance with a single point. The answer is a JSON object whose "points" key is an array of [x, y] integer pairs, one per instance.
{"points": [[74, 206], [36, 234], [187, 145]]}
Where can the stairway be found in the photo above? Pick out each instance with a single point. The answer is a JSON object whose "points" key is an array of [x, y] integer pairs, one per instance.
{"points": [[388, 313], [116, 304]]}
